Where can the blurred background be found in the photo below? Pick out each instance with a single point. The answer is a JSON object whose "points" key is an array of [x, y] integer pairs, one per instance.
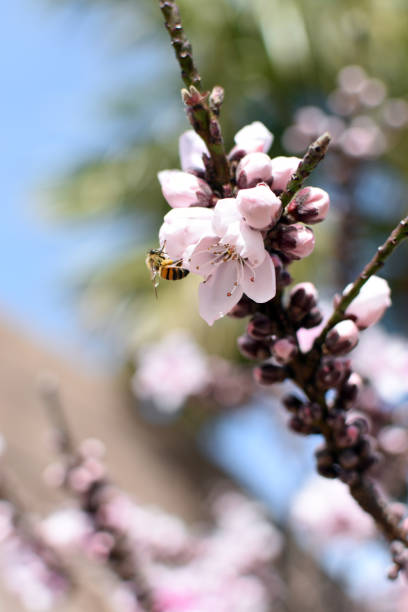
{"points": [[91, 112]]}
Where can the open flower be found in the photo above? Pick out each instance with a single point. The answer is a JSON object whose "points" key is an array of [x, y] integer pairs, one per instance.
{"points": [[233, 261]]}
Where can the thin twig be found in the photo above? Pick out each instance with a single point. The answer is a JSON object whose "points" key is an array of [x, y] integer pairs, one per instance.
{"points": [[202, 114], [314, 154], [181, 45], [122, 560], [383, 252]]}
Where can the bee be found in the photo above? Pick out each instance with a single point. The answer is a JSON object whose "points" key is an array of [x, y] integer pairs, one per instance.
{"points": [[161, 266]]}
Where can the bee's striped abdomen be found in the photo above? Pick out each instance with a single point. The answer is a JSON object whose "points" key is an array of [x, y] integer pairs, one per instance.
{"points": [[173, 273]]}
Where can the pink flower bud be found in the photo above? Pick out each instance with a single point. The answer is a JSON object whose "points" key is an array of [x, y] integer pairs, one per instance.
{"points": [[284, 350], [261, 326], [296, 240], [371, 303], [259, 206], [254, 168], [268, 374], [352, 387], [310, 205], [342, 338], [253, 349], [302, 298], [253, 137], [182, 189], [282, 170]]}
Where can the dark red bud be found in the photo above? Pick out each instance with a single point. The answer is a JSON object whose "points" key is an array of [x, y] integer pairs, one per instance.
{"points": [[243, 308], [268, 374], [312, 319], [260, 326], [253, 349]]}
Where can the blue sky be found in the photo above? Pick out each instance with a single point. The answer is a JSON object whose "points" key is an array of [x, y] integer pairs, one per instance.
{"points": [[56, 65]]}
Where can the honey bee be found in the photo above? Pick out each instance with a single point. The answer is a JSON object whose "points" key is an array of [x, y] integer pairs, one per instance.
{"points": [[161, 266]]}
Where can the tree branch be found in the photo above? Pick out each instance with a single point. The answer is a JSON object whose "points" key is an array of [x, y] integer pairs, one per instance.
{"points": [[314, 154], [383, 252], [202, 114]]}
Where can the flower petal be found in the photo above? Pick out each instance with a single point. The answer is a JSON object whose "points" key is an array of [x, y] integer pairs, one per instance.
{"points": [[250, 244], [259, 283], [220, 292], [202, 260], [225, 213], [183, 227], [191, 149]]}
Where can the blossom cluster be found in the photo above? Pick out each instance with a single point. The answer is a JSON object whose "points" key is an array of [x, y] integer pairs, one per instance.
{"points": [[239, 244], [159, 562], [210, 380]]}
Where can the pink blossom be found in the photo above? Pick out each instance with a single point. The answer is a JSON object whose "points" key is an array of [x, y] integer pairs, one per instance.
{"points": [[342, 338], [252, 138], [259, 206], [183, 227], [254, 168], [183, 189], [310, 205], [371, 303], [282, 170], [191, 150], [284, 350], [233, 261], [296, 240], [384, 358], [324, 509], [189, 372]]}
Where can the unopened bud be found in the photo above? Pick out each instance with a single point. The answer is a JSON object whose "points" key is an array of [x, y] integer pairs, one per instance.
{"points": [[296, 240], [332, 373], [216, 98], [268, 374], [254, 168], [342, 338], [244, 308], [312, 319], [259, 207], [282, 170], [253, 349], [310, 205], [302, 298], [260, 326], [182, 189], [283, 278], [351, 388], [371, 303], [284, 350], [348, 459], [324, 457], [292, 403]]}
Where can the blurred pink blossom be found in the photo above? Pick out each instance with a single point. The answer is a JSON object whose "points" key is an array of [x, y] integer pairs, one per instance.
{"points": [[324, 509], [189, 371]]}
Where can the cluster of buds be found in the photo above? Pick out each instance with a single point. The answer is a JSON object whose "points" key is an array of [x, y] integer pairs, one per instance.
{"points": [[162, 565], [241, 240]]}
